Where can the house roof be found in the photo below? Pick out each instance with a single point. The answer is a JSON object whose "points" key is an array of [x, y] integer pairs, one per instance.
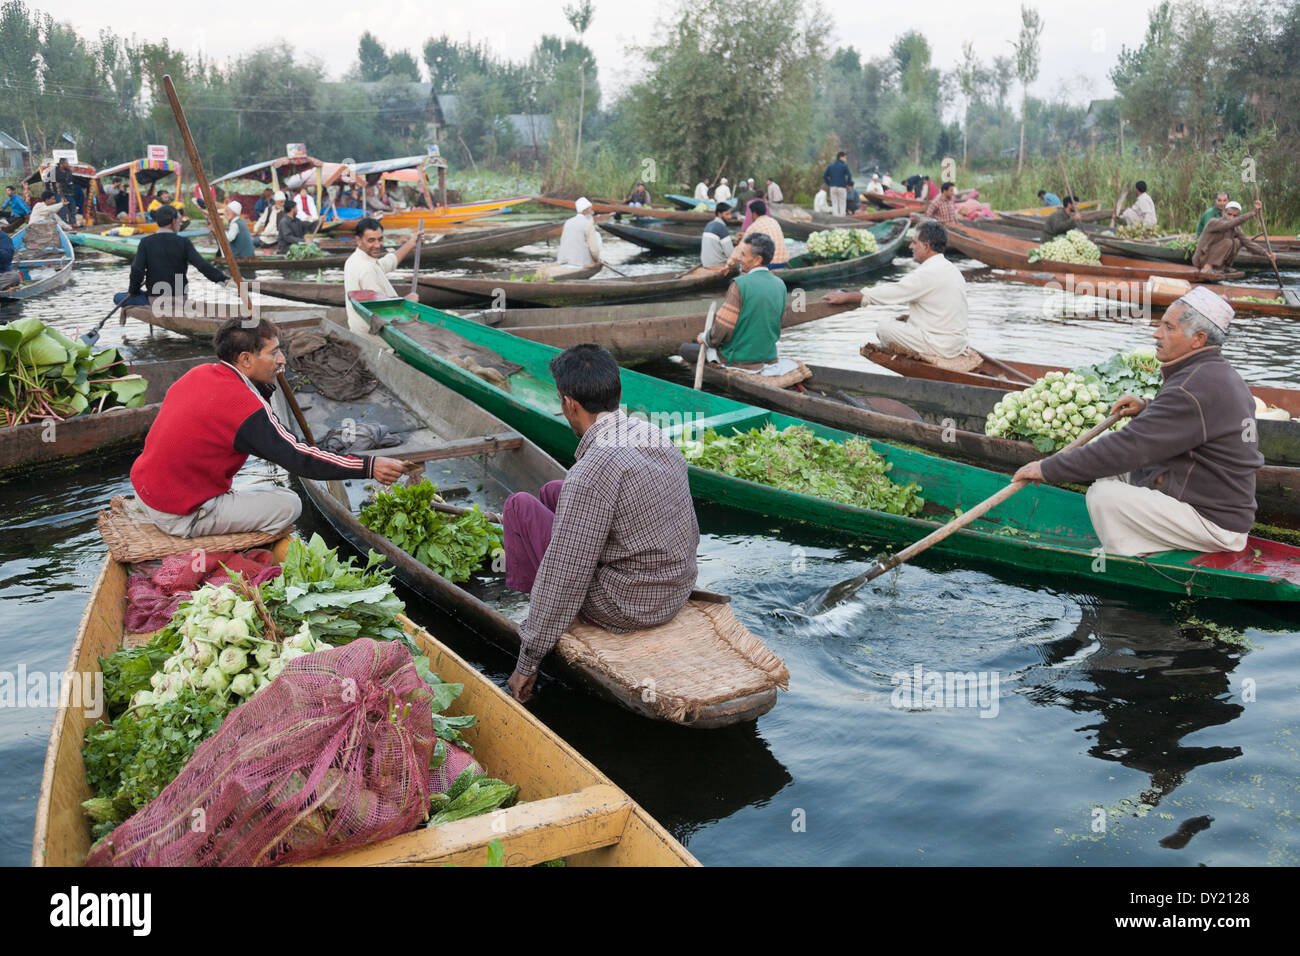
{"points": [[8, 142]]}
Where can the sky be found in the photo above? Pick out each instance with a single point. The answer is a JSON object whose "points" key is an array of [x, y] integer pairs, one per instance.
{"points": [[1079, 42]]}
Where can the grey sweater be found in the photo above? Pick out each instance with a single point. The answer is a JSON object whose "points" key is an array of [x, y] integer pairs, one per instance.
{"points": [[1195, 441]]}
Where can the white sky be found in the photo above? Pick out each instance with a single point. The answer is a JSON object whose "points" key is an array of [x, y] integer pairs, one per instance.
{"points": [[1079, 41]]}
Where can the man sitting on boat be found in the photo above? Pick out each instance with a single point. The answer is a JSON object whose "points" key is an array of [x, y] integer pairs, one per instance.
{"points": [[935, 292], [1214, 212], [702, 191], [1143, 210], [14, 209], [943, 208], [367, 268], [716, 243], [211, 420], [47, 210], [639, 196], [875, 187], [748, 324], [1181, 474], [1222, 239], [1062, 219], [580, 240], [1049, 199], [305, 206], [821, 203], [161, 262], [241, 240], [267, 230], [764, 225], [615, 542]]}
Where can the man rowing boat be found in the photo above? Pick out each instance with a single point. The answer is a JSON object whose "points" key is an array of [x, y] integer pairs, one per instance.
{"points": [[1062, 219], [935, 293], [1181, 474], [614, 543], [746, 329], [579, 240], [1222, 239], [211, 420], [162, 261]]}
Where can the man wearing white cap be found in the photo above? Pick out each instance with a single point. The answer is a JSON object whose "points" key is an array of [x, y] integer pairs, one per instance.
{"points": [[875, 187], [241, 240], [579, 241], [722, 193], [1222, 239], [1180, 475], [267, 230]]}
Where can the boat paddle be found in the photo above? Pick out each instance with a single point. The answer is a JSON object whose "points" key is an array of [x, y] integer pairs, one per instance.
{"points": [[704, 348], [1288, 295], [229, 255], [998, 363], [839, 593], [91, 337], [617, 272], [415, 266]]}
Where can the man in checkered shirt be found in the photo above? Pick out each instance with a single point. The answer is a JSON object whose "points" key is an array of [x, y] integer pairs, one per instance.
{"points": [[615, 541]]}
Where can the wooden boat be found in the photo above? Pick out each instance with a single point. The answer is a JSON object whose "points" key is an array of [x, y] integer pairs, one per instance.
{"points": [[641, 212], [1009, 252], [661, 238], [280, 173], [1138, 294], [463, 444], [43, 269], [635, 333], [804, 269], [124, 247], [24, 448], [331, 293], [82, 174], [1041, 529], [797, 227], [1042, 212], [568, 809], [1140, 249], [202, 319], [576, 289], [438, 216], [948, 418], [138, 172]]}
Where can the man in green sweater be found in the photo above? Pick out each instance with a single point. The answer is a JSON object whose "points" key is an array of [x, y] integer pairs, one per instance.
{"points": [[1214, 212], [747, 326]]}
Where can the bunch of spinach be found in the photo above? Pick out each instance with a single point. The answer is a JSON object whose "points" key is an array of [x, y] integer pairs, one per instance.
{"points": [[454, 546], [798, 460]]}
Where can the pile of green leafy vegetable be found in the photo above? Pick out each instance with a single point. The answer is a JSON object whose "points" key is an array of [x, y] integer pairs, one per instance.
{"points": [[796, 459], [1133, 373], [46, 375], [319, 600], [454, 546], [305, 250], [470, 794]]}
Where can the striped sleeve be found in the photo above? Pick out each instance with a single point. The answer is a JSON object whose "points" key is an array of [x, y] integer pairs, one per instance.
{"points": [[261, 434], [724, 320]]}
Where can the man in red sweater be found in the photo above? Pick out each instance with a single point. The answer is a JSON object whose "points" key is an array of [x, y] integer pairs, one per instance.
{"points": [[211, 420]]}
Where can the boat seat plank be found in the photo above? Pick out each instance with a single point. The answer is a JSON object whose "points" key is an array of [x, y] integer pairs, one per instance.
{"points": [[530, 833], [462, 448]]}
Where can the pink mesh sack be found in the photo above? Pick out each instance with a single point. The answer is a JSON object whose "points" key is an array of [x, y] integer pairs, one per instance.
{"points": [[332, 755], [456, 762]]}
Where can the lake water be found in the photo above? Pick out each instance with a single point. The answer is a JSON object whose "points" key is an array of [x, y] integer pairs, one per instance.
{"points": [[1097, 705]]}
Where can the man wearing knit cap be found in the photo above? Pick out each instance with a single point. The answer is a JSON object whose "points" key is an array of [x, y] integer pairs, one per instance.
{"points": [[241, 240], [1181, 475], [1222, 239], [579, 241]]}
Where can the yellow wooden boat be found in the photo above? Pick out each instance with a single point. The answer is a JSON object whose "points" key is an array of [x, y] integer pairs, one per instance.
{"points": [[570, 810], [1048, 210]]}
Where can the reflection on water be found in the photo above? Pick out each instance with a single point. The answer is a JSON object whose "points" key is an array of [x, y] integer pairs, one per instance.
{"points": [[1103, 697]]}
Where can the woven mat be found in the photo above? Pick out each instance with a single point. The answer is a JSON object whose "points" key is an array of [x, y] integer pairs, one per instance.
{"points": [[701, 657], [967, 361], [792, 377], [130, 540]]}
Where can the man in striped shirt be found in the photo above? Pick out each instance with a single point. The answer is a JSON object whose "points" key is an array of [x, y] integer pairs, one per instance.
{"points": [[211, 420], [615, 542], [942, 208]]}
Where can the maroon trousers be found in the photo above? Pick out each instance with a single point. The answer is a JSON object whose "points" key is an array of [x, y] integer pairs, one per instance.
{"points": [[527, 521]]}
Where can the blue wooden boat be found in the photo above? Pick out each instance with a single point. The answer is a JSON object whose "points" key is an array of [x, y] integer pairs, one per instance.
{"points": [[41, 269]]}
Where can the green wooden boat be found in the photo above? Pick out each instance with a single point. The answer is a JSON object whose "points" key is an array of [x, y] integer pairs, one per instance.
{"points": [[889, 238], [1042, 529]]}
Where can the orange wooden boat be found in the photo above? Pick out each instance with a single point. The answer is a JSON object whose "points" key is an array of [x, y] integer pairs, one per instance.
{"points": [[1137, 293], [1010, 252]]}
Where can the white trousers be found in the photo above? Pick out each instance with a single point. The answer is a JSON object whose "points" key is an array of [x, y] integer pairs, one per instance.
{"points": [[907, 337], [839, 200], [1131, 520], [263, 509]]}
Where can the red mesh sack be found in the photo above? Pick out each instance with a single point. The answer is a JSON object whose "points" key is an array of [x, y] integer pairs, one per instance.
{"points": [[332, 755], [456, 762]]}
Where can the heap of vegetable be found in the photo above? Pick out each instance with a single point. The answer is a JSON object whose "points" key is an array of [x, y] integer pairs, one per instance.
{"points": [[1139, 230], [796, 459], [305, 250], [170, 695], [1061, 406], [831, 244], [1074, 247], [454, 546], [46, 375], [1187, 244], [1280, 300]]}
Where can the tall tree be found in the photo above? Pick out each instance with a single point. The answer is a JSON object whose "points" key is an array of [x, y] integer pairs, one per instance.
{"points": [[1026, 47], [372, 60], [579, 16], [969, 74], [403, 66], [913, 119]]}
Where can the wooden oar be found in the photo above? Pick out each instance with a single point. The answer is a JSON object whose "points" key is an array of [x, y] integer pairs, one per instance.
{"points": [[1269, 246], [1069, 190], [1114, 216], [998, 363], [841, 592], [415, 266], [91, 337], [613, 270], [704, 347], [228, 254]]}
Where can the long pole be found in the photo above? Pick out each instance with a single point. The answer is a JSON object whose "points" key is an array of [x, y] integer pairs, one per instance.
{"points": [[214, 221], [1267, 244], [704, 347]]}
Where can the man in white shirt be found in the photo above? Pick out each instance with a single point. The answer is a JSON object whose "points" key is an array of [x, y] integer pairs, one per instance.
{"points": [[367, 268], [579, 240], [774, 193], [267, 230], [875, 187], [304, 206], [821, 201], [702, 191], [47, 210], [1143, 210], [723, 192], [716, 244], [935, 292]]}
